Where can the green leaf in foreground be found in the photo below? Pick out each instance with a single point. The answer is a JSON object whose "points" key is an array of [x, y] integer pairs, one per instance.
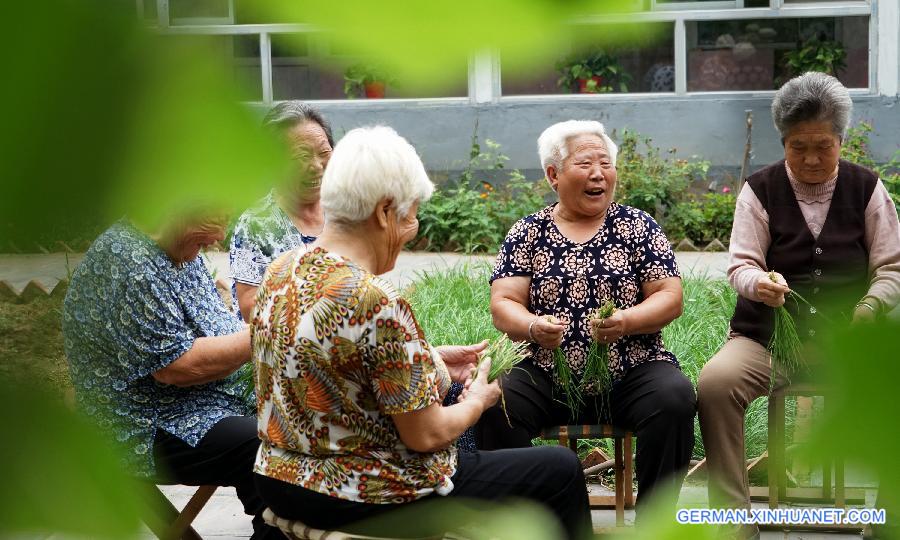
{"points": [[60, 476]]}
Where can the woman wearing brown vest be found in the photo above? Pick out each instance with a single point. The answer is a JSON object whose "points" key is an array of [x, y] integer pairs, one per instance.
{"points": [[812, 219]]}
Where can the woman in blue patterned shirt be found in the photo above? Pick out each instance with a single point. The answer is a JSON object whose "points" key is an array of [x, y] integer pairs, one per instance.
{"points": [[558, 265], [153, 351]]}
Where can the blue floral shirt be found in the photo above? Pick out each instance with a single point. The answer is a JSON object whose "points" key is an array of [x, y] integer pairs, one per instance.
{"points": [[128, 313], [571, 279], [261, 234]]}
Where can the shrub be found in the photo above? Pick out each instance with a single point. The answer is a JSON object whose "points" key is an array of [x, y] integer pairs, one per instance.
{"points": [[702, 219], [856, 149], [650, 180], [471, 214]]}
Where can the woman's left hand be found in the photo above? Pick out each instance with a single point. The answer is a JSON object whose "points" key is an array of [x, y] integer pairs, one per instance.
{"points": [[460, 359], [611, 328]]}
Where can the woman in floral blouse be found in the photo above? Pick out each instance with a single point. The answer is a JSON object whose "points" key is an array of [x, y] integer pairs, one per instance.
{"points": [[349, 390], [290, 216], [558, 265]]}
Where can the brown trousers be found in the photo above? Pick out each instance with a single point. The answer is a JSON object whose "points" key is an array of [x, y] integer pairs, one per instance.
{"points": [[728, 383]]}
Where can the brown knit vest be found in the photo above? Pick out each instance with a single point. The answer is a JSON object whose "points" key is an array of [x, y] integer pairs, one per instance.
{"points": [[831, 272]]}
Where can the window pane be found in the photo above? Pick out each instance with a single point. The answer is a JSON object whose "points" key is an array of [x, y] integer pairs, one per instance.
{"points": [[620, 58], [762, 54], [309, 66], [239, 54], [199, 9]]}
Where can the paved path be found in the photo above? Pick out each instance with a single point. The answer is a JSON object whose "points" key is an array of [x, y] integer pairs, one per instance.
{"points": [[48, 269], [223, 517]]}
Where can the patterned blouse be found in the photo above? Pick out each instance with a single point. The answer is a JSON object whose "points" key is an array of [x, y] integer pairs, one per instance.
{"points": [[128, 313], [570, 279], [337, 351], [261, 234]]}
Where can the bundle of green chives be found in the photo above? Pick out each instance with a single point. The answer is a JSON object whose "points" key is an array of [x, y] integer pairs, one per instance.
{"points": [[596, 370], [564, 375], [504, 354], [566, 380], [785, 346]]}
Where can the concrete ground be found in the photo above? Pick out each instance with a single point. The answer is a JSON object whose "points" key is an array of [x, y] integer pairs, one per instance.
{"points": [[223, 517], [47, 269]]}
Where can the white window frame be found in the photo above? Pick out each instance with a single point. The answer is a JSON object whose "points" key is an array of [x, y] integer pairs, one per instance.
{"points": [[484, 73]]}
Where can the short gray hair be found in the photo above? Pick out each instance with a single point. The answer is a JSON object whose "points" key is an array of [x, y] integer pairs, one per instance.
{"points": [[288, 114], [369, 164], [552, 144], [812, 96]]}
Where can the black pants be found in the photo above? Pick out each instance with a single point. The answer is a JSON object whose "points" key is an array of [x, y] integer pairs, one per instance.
{"points": [[224, 457], [654, 400], [547, 475]]}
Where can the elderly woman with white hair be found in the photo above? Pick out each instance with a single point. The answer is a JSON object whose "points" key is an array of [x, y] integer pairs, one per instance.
{"points": [[554, 268], [827, 229], [349, 390]]}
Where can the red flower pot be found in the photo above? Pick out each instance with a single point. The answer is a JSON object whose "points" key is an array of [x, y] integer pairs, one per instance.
{"points": [[374, 90], [582, 84]]}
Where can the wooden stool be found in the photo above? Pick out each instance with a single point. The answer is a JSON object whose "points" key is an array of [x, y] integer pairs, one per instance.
{"points": [[777, 467], [831, 493], [296, 530], [166, 522], [623, 461]]}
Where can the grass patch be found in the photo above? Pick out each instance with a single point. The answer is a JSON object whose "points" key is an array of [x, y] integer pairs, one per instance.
{"points": [[31, 345], [453, 307]]}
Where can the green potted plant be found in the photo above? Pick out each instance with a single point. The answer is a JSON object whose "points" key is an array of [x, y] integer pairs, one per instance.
{"points": [[592, 73], [366, 80], [814, 54]]}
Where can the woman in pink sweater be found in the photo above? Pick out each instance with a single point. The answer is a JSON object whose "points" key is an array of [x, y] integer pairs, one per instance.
{"points": [[827, 229]]}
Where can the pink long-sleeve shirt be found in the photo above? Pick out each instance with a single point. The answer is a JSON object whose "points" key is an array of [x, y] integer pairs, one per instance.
{"points": [[750, 237]]}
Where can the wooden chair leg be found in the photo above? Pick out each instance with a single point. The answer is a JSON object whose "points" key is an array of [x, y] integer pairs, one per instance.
{"points": [[619, 463], [181, 527], [776, 448], [629, 471], [159, 512], [840, 499]]}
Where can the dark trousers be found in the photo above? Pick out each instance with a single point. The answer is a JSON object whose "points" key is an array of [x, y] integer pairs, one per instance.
{"points": [[654, 400], [223, 457], [547, 475]]}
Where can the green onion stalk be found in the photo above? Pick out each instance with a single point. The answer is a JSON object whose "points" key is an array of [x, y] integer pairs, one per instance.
{"points": [[565, 377], [785, 346], [596, 370], [504, 355]]}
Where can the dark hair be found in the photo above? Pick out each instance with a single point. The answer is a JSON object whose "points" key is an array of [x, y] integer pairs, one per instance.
{"points": [[812, 96], [288, 114]]}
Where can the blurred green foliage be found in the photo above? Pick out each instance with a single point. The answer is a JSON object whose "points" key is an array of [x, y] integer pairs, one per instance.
{"points": [[59, 476], [106, 119]]}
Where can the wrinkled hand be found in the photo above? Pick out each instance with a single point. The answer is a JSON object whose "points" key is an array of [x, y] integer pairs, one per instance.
{"points": [[548, 334], [771, 293], [611, 328], [479, 389], [461, 359]]}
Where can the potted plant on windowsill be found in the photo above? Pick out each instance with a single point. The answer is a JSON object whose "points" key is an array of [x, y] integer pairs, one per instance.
{"points": [[814, 54], [366, 80], [593, 72]]}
